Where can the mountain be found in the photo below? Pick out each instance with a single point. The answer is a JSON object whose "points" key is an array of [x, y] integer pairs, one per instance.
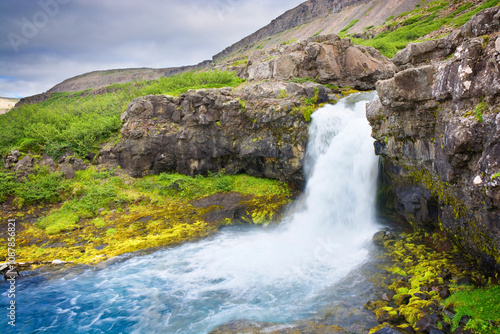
{"points": [[307, 19]]}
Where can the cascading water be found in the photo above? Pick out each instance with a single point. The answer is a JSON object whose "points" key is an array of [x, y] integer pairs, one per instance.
{"points": [[274, 274]]}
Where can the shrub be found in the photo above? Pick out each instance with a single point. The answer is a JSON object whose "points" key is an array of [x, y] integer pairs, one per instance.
{"points": [[41, 187], [81, 121], [8, 183]]}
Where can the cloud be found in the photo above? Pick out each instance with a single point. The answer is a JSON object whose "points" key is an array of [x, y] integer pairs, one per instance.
{"points": [[47, 41]]}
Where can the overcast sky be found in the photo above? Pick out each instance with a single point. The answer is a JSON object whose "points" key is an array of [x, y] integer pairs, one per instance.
{"points": [[44, 42]]}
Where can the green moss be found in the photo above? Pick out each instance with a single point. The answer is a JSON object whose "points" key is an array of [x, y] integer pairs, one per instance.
{"points": [[105, 213], [343, 32], [243, 104], [317, 33], [290, 41], [494, 176]]}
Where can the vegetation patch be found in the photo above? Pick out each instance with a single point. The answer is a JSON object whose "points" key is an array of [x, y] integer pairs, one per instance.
{"points": [[80, 121], [105, 213], [410, 26], [344, 31], [424, 278], [481, 305]]}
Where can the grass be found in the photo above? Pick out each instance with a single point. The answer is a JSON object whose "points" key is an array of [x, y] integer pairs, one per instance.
{"points": [[344, 31], [482, 305], [418, 23], [94, 190], [80, 121], [290, 41]]}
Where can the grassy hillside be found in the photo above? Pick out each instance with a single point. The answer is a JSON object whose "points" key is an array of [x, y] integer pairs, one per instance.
{"points": [[80, 121], [431, 19]]}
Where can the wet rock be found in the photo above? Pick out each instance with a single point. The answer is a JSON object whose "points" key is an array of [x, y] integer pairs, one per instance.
{"points": [[436, 331], [422, 296], [389, 330], [426, 323], [488, 265], [444, 293], [464, 320], [10, 274], [68, 171], [379, 238], [465, 280], [462, 330], [386, 297], [403, 299]]}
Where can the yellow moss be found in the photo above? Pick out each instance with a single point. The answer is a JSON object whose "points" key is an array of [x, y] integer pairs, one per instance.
{"points": [[135, 227]]}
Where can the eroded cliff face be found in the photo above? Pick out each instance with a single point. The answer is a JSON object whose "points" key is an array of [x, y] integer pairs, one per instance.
{"points": [[437, 127], [260, 128]]}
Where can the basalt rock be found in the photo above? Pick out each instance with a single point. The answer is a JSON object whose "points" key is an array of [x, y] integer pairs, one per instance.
{"points": [[259, 130], [437, 127], [329, 59]]}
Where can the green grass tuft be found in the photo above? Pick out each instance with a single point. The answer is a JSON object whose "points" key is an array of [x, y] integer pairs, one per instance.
{"points": [[482, 305]]}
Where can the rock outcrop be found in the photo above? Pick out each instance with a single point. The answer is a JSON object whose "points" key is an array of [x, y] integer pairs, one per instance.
{"points": [[437, 127], [259, 130], [327, 59]]}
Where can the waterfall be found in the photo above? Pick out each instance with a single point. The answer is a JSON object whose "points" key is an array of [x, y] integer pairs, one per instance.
{"points": [[276, 274]]}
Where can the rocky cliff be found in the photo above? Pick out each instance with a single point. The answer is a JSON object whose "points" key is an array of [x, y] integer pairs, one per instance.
{"points": [[260, 129], [437, 127]]}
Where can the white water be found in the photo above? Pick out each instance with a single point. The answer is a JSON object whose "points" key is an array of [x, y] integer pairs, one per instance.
{"points": [[275, 274]]}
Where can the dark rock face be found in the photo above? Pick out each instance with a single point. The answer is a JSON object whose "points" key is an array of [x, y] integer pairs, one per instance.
{"points": [[437, 128], [257, 130], [329, 59]]}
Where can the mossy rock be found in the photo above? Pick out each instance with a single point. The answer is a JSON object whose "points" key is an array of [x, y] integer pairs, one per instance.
{"points": [[387, 314]]}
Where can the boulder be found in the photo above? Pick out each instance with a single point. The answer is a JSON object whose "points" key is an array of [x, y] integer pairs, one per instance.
{"points": [[67, 171], [329, 59], [11, 159]]}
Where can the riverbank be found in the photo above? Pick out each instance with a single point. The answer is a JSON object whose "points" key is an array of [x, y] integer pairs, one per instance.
{"points": [[100, 214]]}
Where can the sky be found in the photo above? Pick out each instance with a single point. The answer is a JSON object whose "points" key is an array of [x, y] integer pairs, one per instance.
{"points": [[44, 42]]}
